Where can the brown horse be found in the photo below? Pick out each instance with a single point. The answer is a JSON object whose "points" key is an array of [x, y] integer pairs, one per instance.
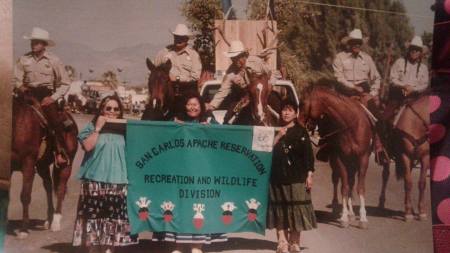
{"points": [[351, 141], [410, 143], [258, 104], [32, 149], [161, 92]]}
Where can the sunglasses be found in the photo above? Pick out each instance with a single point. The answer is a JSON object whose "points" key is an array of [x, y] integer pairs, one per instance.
{"points": [[110, 109]]}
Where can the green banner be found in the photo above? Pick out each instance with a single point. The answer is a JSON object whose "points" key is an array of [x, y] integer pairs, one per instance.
{"points": [[200, 179]]}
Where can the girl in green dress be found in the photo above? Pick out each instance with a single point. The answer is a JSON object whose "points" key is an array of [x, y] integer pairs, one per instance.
{"points": [[194, 113], [290, 208], [102, 219]]}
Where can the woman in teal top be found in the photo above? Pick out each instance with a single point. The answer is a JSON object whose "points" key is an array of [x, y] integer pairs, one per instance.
{"points": [[194, 113], [102, 219]]}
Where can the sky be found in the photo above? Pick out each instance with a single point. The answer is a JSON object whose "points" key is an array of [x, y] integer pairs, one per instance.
{"points": [[109, 24]]}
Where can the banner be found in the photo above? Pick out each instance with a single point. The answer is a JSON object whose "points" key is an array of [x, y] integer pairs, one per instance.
{"points": [[194, 178]]}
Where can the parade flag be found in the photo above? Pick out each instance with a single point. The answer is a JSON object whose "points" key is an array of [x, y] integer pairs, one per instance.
{"points": [[194, 178]]}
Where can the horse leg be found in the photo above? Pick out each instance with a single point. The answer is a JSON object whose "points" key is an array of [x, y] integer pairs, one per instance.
{"points": [[408, 187], [43, 170], [335, 180], [25, 195], [351, 182], [344, 220], [425, 165], [384, 181], [61, 177], [363, 165]]}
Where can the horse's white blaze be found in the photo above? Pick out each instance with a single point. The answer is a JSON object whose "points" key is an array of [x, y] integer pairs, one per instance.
{"points": [[362, 209], [259, 87]]}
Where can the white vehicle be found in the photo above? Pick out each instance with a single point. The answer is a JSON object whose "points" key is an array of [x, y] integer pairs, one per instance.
{"points": [[285, 88]]}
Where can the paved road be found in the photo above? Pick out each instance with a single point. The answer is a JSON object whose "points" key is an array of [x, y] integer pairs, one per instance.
{"points": [[387, 232]]}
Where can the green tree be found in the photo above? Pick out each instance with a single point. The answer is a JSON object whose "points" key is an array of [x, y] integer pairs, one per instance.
{"points": [[201, 15], [311, 35]]}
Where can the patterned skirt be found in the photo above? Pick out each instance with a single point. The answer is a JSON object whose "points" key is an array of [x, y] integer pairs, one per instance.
{"points": [[102, 217], [290, 207], [189, 238]]}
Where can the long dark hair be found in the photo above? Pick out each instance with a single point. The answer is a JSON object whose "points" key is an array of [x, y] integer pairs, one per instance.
{"points": [[419, 62], [202, 116], [103, 103]]}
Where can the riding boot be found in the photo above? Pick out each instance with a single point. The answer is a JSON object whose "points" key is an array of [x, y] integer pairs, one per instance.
{"points": [[57, 127], [381, 156]]}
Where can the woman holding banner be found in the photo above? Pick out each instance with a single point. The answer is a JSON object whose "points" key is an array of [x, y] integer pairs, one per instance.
{"points": [[194, 113], [102, 219], [290, 209]]}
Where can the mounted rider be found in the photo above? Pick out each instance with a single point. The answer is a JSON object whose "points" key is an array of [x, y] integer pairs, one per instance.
{"points": [[41, 78], [359, 78], [409, 77], [236, 78], [186, 66]]}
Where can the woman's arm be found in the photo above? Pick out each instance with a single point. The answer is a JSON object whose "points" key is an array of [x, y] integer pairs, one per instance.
{"points": [[89, 143]]}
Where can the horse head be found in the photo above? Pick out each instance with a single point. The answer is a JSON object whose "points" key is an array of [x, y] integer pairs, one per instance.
{"points": [[311, 107], [159, 87], [259, 91]]}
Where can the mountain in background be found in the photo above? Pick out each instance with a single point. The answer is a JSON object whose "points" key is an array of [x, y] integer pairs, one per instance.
{"points": [[131, 60]]}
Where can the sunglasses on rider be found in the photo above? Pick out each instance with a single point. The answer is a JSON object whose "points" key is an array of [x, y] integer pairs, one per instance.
{"points": [[110, 109]]}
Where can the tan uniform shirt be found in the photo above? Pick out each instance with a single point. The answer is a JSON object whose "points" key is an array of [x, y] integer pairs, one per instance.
{"points": [[186, 64], [48, 71], [409, 76], [351, 71], [238, 77]]}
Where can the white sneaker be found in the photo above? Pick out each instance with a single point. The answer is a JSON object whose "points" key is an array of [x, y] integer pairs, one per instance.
{"points": [[176, 251]]}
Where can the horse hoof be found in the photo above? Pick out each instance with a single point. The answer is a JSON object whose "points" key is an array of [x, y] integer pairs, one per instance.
{"points": [[423, 217], [344, 224], [409, 217], [22, 235], [46, 225], [364, 225], [56, 223]]}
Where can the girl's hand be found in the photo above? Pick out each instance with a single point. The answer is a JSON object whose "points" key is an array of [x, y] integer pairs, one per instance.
{"points": [[101, 120], [309, 181], [176, 120]]}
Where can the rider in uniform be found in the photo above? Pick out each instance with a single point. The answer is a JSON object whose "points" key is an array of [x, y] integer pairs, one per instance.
{"points": [[42, 77], [186, 65], [409, 76], [236, 78]]}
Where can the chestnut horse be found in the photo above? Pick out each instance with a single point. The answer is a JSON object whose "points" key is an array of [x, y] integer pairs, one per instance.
{"points": [[161, 100], [351, 142], [32, 150], [409, 143], [258, 105]]}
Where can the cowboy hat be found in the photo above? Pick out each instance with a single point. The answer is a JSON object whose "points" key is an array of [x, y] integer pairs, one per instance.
{"points": [[416, 42], [40, 34], [182, 30], [356, 34], [236, 48]]}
